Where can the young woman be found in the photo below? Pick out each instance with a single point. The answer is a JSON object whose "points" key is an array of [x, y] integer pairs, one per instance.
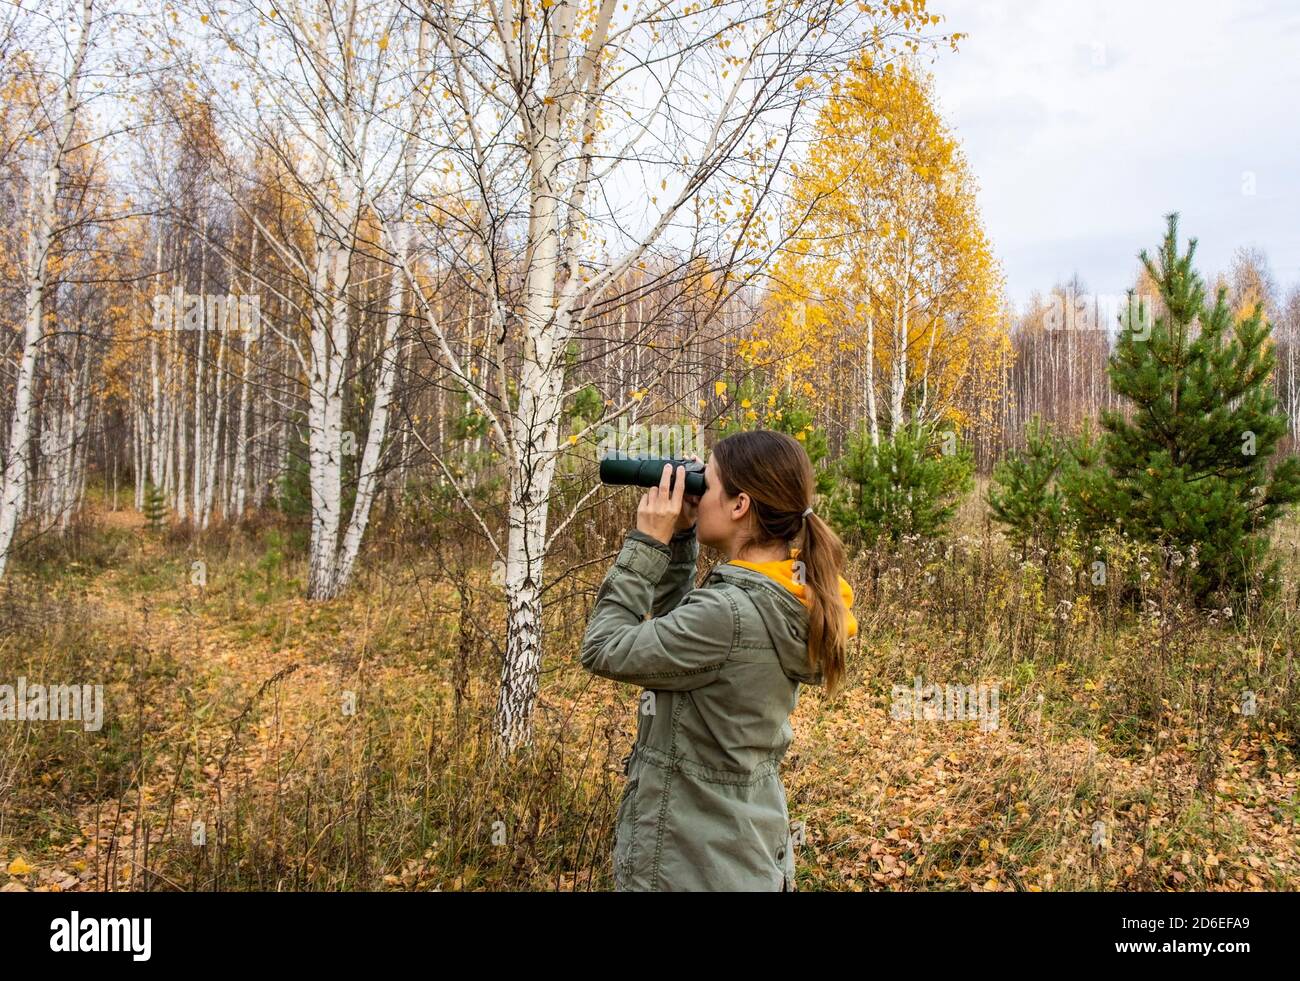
{"points": [[704, 807]]}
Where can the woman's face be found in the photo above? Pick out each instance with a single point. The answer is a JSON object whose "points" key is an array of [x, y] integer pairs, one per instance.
{"points": [[719, 517]]}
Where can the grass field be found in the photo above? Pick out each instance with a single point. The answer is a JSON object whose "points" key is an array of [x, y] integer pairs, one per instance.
{"points": [[253, 740]]}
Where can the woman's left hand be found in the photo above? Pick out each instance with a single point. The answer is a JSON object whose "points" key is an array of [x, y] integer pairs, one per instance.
{"points": [[661, 513]]}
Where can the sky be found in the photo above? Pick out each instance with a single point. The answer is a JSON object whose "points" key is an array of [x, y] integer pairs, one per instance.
{"points": [[1086, 121]]}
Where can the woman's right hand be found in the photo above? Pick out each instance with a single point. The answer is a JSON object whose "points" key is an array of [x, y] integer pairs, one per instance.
{"points": [[690, 507]]}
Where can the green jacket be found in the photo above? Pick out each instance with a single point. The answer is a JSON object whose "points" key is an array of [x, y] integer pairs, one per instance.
{"points": [[704, 807]]}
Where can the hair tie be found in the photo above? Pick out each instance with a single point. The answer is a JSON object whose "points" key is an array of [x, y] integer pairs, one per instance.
{"points": [[807, 511]]}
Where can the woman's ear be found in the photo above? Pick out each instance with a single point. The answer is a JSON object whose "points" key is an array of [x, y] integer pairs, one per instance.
{"points": [[741, 507]]}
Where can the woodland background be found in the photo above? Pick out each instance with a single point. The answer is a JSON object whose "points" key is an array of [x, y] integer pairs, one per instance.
{"points": [[310, 318]]}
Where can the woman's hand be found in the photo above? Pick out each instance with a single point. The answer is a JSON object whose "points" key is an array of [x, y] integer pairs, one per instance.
{"points": [[661, 513], [690, 505]]}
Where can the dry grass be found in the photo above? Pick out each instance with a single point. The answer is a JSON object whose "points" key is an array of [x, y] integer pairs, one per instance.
{"points": [[1121, 759]]}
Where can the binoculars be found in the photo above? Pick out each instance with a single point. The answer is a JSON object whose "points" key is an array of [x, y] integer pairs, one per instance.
{"points": [[647, 472]]}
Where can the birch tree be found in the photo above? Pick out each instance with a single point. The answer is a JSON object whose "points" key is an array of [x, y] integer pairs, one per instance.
{"points": [[892, 263], [577, 142], [56, 145], [319, 76]]}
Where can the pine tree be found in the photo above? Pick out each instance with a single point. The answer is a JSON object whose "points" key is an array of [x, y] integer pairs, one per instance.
{"points": [[1025, 496], [909, 484], [1085, 485], [155, 506], [1192, 468]]}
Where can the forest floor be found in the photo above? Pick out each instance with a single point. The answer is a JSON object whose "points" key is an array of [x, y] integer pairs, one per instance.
{"points": [[255, 740]]}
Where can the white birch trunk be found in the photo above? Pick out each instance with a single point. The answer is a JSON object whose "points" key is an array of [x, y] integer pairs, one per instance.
{"points": [[239, 445], [201, 357], [366, 475], [222, 313], [872, 413], [16, 475], [154, 439], [329, 338]]}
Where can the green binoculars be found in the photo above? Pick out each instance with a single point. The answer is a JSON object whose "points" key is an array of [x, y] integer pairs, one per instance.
{"points": [[648, 471]]}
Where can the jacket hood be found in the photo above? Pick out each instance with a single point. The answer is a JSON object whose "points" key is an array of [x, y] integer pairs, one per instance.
{"points": [[786, 619]]}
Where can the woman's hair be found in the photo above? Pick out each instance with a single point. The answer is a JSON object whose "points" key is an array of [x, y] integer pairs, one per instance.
{"points": [[774, 470]]}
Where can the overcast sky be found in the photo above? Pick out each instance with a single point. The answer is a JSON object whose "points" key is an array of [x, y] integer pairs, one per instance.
{"points": [[1086, 121]]}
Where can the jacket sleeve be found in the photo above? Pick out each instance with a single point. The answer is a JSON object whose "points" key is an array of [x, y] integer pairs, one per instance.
{"points": [[678, 579], [681, 649]]}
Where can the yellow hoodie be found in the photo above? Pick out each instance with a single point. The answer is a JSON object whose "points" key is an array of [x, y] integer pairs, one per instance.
{"points": [[782, 570]]}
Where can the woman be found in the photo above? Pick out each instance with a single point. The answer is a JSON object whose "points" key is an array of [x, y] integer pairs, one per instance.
{"points": [[704, 807]]}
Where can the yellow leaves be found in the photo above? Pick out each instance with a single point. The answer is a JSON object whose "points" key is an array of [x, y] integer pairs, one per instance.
{"points": [[383, 43], [18, 867], [203, 19], [855, 157], [720, 388]]}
